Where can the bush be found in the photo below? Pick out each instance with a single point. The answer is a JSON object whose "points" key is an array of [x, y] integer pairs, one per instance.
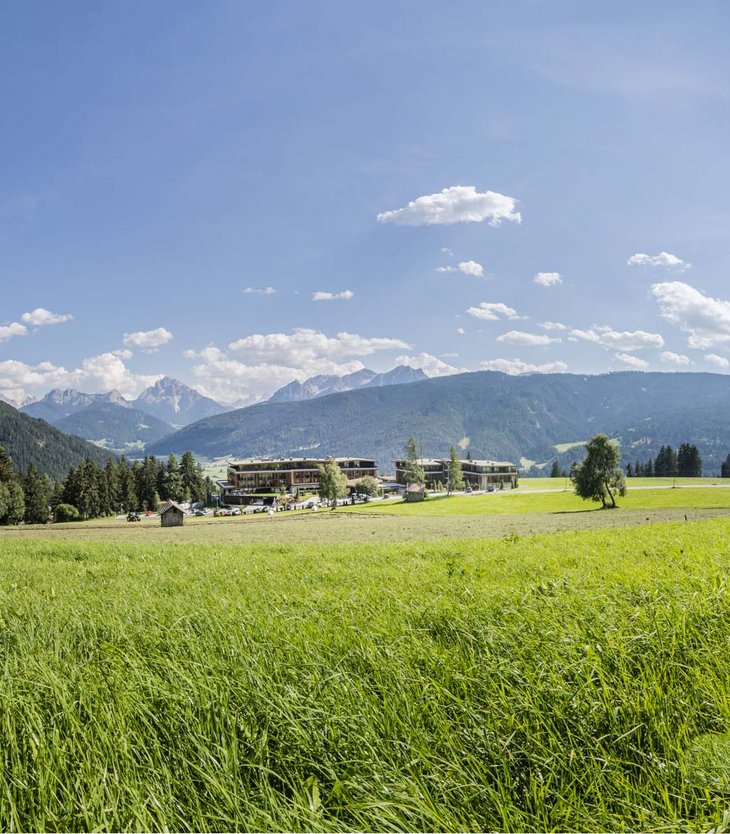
{"points": [[67, 512]]}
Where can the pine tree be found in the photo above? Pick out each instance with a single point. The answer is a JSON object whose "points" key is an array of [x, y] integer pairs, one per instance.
{"points": [[172, 488], [6, 467], [36, 500], [556, 472], [689, 462], [725, 468], [456, 476], [629, 470], [193, 478], [413, 470]]}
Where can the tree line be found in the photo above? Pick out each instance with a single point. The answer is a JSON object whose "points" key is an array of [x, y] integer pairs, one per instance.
{"points": [[684, 463], [93, 491]]}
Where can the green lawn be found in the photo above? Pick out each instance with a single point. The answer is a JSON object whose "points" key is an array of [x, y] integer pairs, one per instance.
{"points": [[567, 682], [530, 484], [516, 501]]}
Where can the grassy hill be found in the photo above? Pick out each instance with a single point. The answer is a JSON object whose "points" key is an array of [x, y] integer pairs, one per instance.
{"points": [[493, 415], [29, 440]]}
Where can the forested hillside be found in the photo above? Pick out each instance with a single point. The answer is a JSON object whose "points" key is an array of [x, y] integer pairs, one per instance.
{"points": [[492, 415], [30, 441]]}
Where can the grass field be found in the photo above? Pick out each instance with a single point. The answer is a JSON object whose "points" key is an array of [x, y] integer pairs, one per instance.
{"points": [[531, 484], [566, 682]]}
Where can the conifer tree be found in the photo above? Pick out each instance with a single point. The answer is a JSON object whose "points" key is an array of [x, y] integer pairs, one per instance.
{"points": [[456, 476], [36, 499]]}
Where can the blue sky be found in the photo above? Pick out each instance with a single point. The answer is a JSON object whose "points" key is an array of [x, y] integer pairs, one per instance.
{"points": [[160, 159]]}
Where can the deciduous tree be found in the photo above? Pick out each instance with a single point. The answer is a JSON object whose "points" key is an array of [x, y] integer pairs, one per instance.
{"points": [[600, 477]]}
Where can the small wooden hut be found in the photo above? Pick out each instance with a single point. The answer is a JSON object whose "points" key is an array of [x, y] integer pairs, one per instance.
{"points": [[171, 514], [415, 492]]}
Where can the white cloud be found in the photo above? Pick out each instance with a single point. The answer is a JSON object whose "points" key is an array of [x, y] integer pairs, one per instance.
{"points": [[305, 345], [96, 374], [662, 259], [447, 251], [548, 279], [259, 291], [460, 331], [675, 358], [492, 311], [457, 204], [519, 337], [719, 361], [430, 365], [705, 319], [472, 268], [122, 353], [517, 366], [40, 317], [148, 340], [623, 340], [345, 295], [271, 360], [467, 267], [552, 325], [632, 361], [15, 328]]}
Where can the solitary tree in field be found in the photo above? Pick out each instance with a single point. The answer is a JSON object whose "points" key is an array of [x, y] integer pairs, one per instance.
{"points": [[555, 471], [456, 476], [599, 477], [332, 482]]}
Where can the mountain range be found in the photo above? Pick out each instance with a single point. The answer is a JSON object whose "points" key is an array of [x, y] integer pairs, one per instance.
{"points": [[530, 419], [324, 384]]}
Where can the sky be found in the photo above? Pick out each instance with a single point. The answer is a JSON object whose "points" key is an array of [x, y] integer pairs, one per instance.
{"points": [[237, 194]]}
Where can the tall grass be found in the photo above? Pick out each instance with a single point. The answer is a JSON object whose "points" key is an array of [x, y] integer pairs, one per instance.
{"points": [[551, 683]]}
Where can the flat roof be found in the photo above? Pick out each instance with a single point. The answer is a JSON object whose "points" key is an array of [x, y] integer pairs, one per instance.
{"points": [[441, 461], [299, 460]]}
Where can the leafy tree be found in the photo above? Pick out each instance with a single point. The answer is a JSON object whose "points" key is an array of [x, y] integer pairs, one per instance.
{"points": [[599, 477], [456, 476], [413, 471], [332, 481], [66, 512], [36, 499], [368, 486]]}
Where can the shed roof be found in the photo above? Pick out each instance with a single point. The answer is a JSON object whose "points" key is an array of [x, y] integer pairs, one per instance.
{"points": [[169, 505]]}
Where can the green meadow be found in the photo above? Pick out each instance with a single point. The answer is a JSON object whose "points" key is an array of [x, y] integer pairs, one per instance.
{"points": [[365, 671]]}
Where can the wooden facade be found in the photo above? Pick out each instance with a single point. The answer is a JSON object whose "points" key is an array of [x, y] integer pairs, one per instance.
{"points": [[171, 514]]}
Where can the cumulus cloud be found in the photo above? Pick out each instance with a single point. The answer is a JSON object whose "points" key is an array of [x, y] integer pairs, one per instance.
{"points": [[548, 279], [492, 311], [457, 204], [304, 345], [345, 295], [460, 331], [718, 361], [40, 317], [259, 291], [467, 267], [552, 325], [663, 259], [96, 374], [15, 328], [519, 337], [513, 367], [148, 340], [675, 358], [263, 362], [631, 361], [705, 319], [430, 365], [623, 340]]}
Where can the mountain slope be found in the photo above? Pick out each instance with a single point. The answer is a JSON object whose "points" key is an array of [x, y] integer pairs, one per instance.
{"points": [[174, 402], [493, 415], [28, 440], [118, 428]]}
